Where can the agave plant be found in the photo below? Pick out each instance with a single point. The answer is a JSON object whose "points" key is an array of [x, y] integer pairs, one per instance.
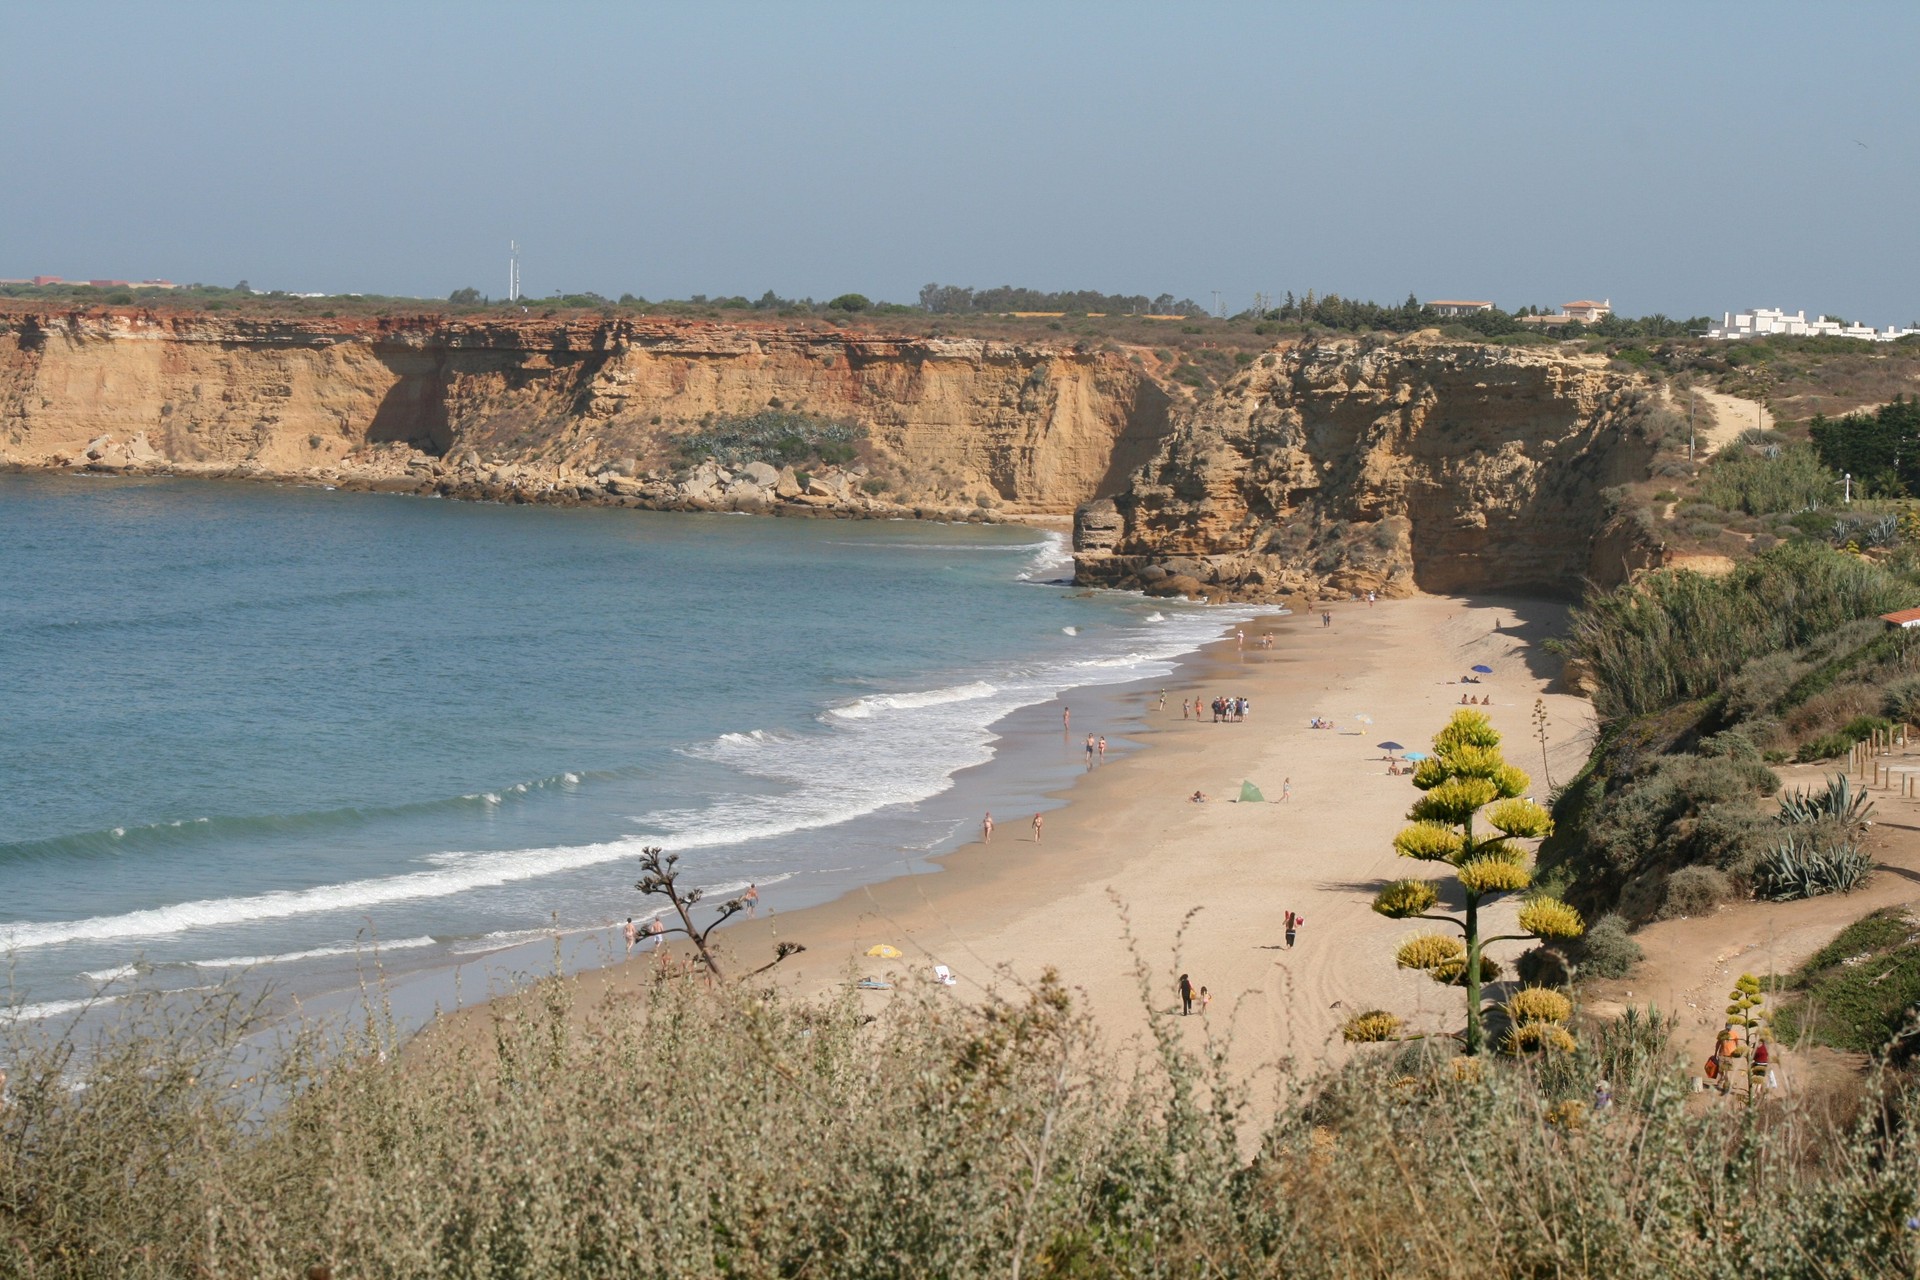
{"points": [[1801, 866], [1839, 802]]}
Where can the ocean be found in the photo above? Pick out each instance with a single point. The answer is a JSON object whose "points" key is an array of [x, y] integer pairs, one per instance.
{"points": [[250, 732]]}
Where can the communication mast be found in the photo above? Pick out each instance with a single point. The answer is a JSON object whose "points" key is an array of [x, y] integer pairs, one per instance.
{"points": [[513, 271]]}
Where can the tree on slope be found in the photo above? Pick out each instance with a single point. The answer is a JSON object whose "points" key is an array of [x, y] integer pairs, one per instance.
{"points": [[1466, 783]]}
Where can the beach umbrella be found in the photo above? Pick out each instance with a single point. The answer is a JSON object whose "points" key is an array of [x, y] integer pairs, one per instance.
{"points": [[1389, 746], [885, 951], [1416, 755], [1484, 670], [1363, 717], [1250, 793]]}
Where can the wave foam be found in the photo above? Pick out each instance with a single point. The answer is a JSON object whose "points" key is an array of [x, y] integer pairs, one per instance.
{"points": [[316, 953], [873, 704]]}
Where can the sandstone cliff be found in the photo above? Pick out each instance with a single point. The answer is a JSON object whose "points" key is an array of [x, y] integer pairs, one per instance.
{"points": [[1351, 465], [579, 409]]}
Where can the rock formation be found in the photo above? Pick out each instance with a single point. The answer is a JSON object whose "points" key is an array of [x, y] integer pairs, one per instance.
{"points": [[1365, 464], [580, 409]]}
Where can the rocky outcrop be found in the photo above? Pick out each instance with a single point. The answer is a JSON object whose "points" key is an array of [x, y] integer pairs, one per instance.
{"points": [[580, 409], [1350, 465]]}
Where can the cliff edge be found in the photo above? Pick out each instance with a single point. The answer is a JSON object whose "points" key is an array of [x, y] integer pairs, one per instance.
{"points": [[581, 408], [1344, 465]]}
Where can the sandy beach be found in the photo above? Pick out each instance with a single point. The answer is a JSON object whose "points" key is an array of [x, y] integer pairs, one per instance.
{"points": [[1203, 888]]}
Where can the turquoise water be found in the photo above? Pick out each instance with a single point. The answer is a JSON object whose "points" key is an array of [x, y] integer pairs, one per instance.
{"points": [[250, 728]]}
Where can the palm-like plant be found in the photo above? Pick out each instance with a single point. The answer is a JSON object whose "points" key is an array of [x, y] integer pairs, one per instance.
{"points": [[1469, 788]]}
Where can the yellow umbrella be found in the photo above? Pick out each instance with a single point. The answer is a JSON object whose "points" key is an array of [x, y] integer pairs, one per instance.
{"points": [[884, 951]]}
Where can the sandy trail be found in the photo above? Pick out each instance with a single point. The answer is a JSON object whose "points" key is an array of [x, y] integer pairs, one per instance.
{"points": [[1731, 416]]}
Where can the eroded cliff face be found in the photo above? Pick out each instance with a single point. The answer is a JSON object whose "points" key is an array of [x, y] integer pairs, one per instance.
{"points": [[558, 409], [1352, 465]]}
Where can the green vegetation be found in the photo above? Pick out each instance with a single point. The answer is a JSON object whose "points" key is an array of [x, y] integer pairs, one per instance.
{"points": [[1674, 636], [1466, 778], [947, 299], [1859, 992], [779, 437], [1880, 449], [1762, 477], [1700, 682], [733, 1131]]}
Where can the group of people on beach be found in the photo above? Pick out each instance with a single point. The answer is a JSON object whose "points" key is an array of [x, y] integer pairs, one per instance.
{"points": [[1476, 701], [1225, 710], [1096, 749], [1191, 995], [986, 828]]}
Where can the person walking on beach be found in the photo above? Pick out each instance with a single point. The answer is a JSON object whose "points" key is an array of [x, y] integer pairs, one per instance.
{"points": [[986, 828], [752, 898], [1206, 998], [1037, 822], [1066, 719], [632, 935], [1286, 788], [1089, 751], [1186, 995], [1103, 748], [656, 931], [1294, 923], [1184, 704], [1326, 619]]}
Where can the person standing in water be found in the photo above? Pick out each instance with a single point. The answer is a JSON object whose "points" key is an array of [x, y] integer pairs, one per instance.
{"points": [[632, 935], [986, 828], [752, 898], [1066, 719], [1036, 828], [1089, 751]]}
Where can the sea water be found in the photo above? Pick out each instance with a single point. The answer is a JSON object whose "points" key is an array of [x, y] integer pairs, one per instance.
{"points": [[263, 729]]}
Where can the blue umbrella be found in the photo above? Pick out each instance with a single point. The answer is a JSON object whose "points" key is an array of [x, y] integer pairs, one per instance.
{"points": [[1485, 671], [1416, 755]]}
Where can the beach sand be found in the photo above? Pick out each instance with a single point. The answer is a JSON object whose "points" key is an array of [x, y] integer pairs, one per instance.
{"points": [[1203, 888]]}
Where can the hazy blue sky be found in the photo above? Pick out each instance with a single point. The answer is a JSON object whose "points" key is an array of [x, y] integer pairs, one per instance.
{"points": [[1675, 157]]}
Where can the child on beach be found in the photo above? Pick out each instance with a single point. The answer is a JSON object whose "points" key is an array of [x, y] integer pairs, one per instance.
{"points": [[1103, 748], [986, 828], [1036, 828], [1206, 998], [1184, 706]]}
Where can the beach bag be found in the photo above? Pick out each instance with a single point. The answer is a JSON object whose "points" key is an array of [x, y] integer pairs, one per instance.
{"points": [[1713, 1068]]}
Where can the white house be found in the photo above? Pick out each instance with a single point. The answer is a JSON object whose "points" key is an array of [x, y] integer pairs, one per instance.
{"points": [[1763, 321], [1455, 307]]}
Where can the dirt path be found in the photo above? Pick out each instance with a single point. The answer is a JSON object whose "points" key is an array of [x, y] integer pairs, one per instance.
{"points": [[1692, 962], [1729, 417]]}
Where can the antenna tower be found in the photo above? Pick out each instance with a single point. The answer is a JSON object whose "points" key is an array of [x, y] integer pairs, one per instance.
{"points": [[513, 271]]}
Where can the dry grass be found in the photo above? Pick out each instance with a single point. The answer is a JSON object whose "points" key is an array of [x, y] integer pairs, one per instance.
{"points": [[740, 1133]]}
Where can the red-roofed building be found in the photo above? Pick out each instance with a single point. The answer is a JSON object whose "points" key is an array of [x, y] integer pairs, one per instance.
{"points": [[1903, 619], [1587, 312], [48, 280]]}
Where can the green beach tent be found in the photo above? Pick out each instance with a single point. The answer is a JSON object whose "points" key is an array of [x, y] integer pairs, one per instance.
{"points": [[1249, 792]]}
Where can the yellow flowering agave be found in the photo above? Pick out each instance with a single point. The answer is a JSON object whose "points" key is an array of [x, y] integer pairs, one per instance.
{"points": [[1537, 1037], [1521, 819], [1538, 1004], [1429, 841], [1550, 918], [1373, 1025], [1431, 952], [1493, 875], [1466, 729], [1405, 898], [1454, 801]]}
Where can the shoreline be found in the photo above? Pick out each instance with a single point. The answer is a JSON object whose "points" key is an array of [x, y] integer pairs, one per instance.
{"points": [[1199, 888]]}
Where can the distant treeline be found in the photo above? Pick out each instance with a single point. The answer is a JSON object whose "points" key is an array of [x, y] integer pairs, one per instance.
{"points": [[1332, 311], [953, 299]]}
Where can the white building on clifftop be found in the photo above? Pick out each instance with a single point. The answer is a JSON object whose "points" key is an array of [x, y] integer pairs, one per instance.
{"points": [[1762, 322]]}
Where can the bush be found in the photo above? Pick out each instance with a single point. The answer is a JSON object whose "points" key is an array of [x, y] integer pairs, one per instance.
{"points": [[1605, 950], [1765, 477], [1829, 746], [1902, 698], [780, 437], [1809, 863], [1695, 891], [1674, 635], [1858, 993], [850, 302]]}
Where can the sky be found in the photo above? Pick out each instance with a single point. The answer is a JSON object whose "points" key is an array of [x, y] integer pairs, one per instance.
{"points": [[1685, 158]]}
